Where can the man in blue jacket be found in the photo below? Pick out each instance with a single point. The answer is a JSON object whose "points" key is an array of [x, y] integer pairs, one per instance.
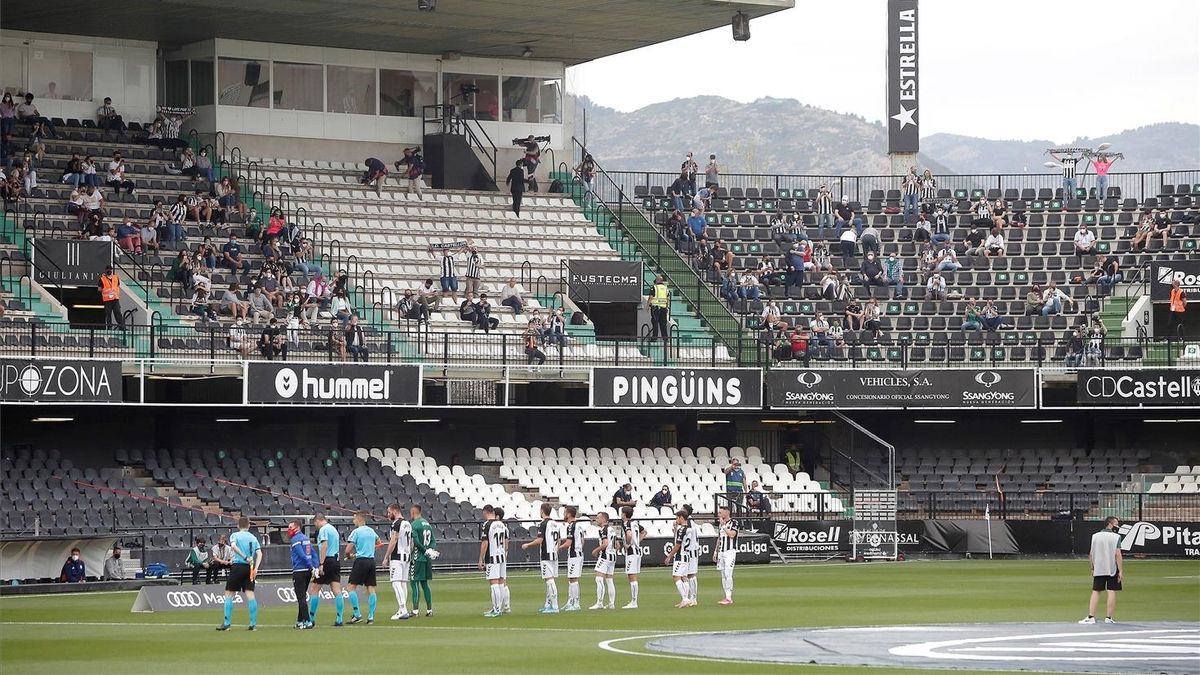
{"points": [[73, 571], [304, 562]]}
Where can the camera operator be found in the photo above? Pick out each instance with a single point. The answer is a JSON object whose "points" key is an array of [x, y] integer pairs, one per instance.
{"points": [[376, 173], [414, 165], [533, 157]]}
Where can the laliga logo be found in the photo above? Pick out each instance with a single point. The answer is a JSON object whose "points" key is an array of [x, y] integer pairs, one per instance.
{"points": [[1137, 534], [809, 379], [988, 378], [184, 599], [287, 383]]}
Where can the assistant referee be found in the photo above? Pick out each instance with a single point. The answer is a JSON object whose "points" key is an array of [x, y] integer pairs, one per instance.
{"points": [[247, 555]]}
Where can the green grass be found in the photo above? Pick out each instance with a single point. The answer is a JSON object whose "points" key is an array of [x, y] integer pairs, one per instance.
{"points": [[96, 633]]}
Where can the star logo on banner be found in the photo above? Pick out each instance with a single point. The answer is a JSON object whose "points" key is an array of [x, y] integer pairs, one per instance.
{"points": [[905, 116]]}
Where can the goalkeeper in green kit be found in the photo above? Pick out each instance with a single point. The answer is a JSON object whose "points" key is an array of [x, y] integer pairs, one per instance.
{"points": [[424, 553]]}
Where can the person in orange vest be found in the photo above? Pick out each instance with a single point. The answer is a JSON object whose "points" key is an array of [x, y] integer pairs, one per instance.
{"points": [[1178, 306], [110, 294]]}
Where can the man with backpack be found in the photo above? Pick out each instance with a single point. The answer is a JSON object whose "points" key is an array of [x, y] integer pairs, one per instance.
{"points": [[415, 164]]}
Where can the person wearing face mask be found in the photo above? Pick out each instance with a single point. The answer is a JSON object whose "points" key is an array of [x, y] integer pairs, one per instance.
{"points": [[872, 271], [198, 559], [73, 570], [893, 272], [113, 570]]}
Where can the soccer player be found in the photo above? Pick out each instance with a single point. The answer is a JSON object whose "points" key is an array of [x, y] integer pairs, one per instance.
{"points": [[329, 572], [425, 552], [361, 544], [547, 543], [505, 593], [693, 549], [573, 543], [304, 563], [489, 514], [247, 555], [726, 554], [1108, 569], [399, 549], [606, 562], [678, 558], [496, 549], [634, 533]]}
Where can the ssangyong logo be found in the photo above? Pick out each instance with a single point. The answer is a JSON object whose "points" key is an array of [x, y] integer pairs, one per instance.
{"points": [[988, 378], [306, 386], [1141, 533], [808, 380]]}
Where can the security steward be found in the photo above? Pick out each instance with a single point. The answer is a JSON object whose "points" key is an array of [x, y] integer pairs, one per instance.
{"points": [[1178, 307], [659, 301], [110, 295]]}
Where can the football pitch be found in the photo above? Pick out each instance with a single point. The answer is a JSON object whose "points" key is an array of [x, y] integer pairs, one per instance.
{"points": [[97, 633]]}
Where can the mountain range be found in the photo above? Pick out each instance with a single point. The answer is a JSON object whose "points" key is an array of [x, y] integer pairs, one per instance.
{"points": [[773, 135]]}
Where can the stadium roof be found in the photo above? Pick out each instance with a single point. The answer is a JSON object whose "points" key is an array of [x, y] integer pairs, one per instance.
{"points": [[573, 31]]}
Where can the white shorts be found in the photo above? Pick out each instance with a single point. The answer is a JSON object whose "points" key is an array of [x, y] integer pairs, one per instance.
{"points": [[679, 568], [605, 566], [398, 570], [726, 560], [693, 565], [549, 569], [495, 571], [574, 568], [633, 564]]}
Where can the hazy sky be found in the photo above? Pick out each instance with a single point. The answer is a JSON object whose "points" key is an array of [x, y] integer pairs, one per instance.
{"points": [[989, 69]]}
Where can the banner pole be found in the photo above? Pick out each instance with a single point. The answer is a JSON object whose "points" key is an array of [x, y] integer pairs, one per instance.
{"points": [[987, 515]]}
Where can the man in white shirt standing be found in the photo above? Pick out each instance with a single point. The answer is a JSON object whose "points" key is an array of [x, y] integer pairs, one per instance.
{"points": [[1108, 569]]}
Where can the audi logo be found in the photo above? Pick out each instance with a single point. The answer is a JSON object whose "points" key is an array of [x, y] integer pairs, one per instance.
{"points": [[184, 599], [988, 378], [809, 379], [286, 594]]}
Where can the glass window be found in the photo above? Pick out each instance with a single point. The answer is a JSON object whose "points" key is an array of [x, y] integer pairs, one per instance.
{"points": [[243, 83], [12, 69], [174, 91], [402, 93], [351, 90], [473, 95], [59, 74], [531, 99], [202, 82], [299, 86]]}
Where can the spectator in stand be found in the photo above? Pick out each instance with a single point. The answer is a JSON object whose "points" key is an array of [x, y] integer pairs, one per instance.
{"points": [[483, 314], [756, 501], [221, 555], [999, 214], [1162, 226], [873, 318], [1085, 241], [928, 190], [994, 246], [1109, 268], [414, 167], [198, 208], [971, 316], [113, 570], [1070, 184], [533, 355], [688, 171], [872, 271], [272, 341], [768, 276], [239, 339], [340, 307], [623, 497], [722, 257], [129, 237], [662, 499], [834, 286], [947, 260], [93, 202], [116, 176], [474, 270], [819, 328], [108, 119], [73, 570], [511, 296], [910, 191], [149, 235], [30, 175], [94, 227], [1075, 348], [869, 240], [854, 315], [269, 280], [712, 173], [735, 481], [697, 224], [206, 256], [1033, 301], [823, 206], [187, 164], [232, 304], [228, 196], [893, 273], [729, 287], [702, 200], [28, 113], [981, 213], [302, 259], [75, 206], [992, 321], [973, 244], [846, 216], [941, 225], [781, 232], [837, 335], [849, 242], [770, 316], [410, 310], [73, 171], [799, 345], [108, 235], [1101, 165], [1141, 236], [261, 307], [8, 114], [678, 190], [376, 173], [175, 220], [935, 288], [201, 305], [356, 341], [923, 230], [822, 261], [676, 227], [232, 258], [88, 166], [556, 328], [748, 286], [1053, 300]]}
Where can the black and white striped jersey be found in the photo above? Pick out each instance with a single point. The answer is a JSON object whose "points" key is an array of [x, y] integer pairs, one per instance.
{"points": [[548, 532], [497, 538], [448, 264], [575, 534], [474, 265], [693, 540], [727, 536], [928, 188], [823, 202], [983, 210], [941, 224], [683, 538], [1069, 165], [611, 536], [912, 184], [633, 537]]}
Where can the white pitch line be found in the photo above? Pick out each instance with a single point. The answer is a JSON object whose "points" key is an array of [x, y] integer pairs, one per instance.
{"points": [[406, 625]]}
